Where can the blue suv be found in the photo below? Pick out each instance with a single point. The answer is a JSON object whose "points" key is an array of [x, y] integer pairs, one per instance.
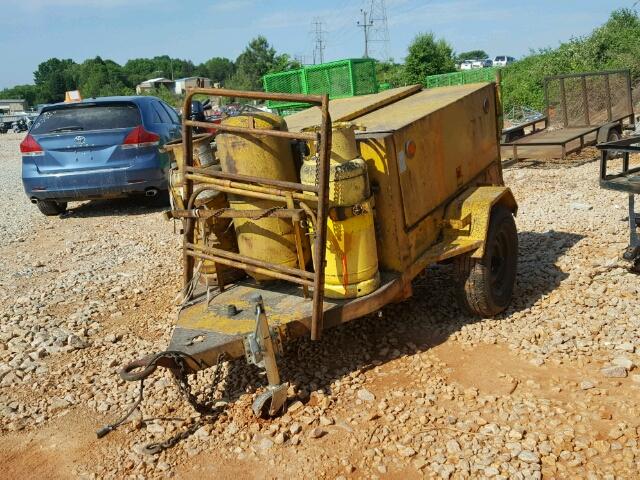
{"points": [[99, 148]]}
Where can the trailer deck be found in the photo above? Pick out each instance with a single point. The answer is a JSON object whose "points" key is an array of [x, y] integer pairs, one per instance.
{"points": [[551, 143], [582, 109]]}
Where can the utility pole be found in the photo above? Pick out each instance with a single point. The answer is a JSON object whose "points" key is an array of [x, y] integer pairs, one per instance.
{"points": [[365, 26], [319, 46]]}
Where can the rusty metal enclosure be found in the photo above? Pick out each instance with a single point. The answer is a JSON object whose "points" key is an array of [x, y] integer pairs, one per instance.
{"points": [[588, 99]]}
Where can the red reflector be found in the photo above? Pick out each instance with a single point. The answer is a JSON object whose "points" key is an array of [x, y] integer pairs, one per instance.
{"points": [[139, 137], [30, 147]]}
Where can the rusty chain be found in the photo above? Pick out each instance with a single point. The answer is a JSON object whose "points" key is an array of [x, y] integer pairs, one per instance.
{"points": [[206, 408]]}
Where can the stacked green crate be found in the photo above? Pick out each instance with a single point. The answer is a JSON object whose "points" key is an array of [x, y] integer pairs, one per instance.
{"points": [[340, 79]]}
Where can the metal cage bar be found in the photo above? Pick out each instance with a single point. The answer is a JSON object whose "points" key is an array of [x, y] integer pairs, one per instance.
{"points": [[244, 185]]}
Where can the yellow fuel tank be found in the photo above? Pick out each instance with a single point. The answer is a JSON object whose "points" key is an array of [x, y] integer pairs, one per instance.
{"points": [[351, 256], [207, 232], [269, 239]]}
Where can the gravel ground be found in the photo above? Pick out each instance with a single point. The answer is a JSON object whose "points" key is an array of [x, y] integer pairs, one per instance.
{"points": [[17, 217], [548, 389]]}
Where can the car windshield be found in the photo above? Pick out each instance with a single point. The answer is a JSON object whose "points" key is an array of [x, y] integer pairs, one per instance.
{"points": [[87, 117], [499, 59]]}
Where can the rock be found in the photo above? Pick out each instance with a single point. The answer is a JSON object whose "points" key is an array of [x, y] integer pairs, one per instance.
{"points": [[111, 338], [528, 457], [279, 439], [155, 428], [365, 395], [295, 406], [317, 432], [264, 444], [326, 421], [614, 372], [580, 206], [623, 362], [406, 451], [586, 385], [58, 403], [453, 447], [627, 347], [295, 428]]}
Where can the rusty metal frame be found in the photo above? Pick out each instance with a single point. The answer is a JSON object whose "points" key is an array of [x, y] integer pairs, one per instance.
{"points": [[288, 193]]}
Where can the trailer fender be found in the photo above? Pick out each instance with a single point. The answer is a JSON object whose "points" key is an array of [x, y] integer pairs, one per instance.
{"points": [[467, 217], [605, 130]]}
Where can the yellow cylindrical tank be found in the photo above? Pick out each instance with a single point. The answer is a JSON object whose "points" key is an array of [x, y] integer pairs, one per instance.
{"points": [[351, 255], [208, 232], [268, 239]]}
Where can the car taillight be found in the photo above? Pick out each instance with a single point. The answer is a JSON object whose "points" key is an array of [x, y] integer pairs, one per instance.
{"points": [[139, 137], [30, 148]]}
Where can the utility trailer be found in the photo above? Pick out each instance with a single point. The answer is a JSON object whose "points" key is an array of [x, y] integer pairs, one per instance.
{"points": [[625, 178], [435, 192], [582, 109]]}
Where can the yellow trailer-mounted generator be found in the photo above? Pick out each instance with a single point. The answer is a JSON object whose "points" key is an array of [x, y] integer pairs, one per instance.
{"points": [[377, 187]]}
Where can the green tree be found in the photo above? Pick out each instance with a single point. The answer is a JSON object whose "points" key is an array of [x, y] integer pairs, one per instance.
{"points": [[29, 93], [53, 78], [614, 45], [390, 72], [138, 70], [428, 56], [166, 95], [218, 69], [258, 59], [472, 55], [98, 78]]}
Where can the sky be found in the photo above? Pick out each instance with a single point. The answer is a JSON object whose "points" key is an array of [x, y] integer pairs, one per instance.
{"points": [[31, 31]]}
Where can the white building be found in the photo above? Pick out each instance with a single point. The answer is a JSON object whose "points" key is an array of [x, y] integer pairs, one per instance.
{"points": [[155, 83], [191, 82]]}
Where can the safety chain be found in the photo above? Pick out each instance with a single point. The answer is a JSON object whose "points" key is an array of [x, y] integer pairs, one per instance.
{"points": [[206, 409]]}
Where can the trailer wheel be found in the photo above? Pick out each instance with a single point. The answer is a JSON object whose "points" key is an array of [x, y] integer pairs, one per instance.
{"points": [[613, 136], [51, 207], [485, 286]]}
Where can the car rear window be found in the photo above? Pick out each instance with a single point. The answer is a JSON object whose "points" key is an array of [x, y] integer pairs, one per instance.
{"points": [[499, 59], [89, 117]]}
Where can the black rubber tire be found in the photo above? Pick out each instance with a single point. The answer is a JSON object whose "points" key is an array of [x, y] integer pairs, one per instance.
{"points": [[613, 136], [485, 286], [51, 207]]}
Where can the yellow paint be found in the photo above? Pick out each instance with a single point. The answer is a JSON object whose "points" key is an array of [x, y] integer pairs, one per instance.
{"points": [[351, 255], [475, 207], [268, 239], [454, 131]]}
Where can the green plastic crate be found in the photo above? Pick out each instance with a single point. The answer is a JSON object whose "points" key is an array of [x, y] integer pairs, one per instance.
{"points": [[461, 78], [340, 79]]}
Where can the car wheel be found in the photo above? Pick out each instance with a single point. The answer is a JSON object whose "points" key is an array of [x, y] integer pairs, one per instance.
{"points": [[485, 286], [51, 207]]}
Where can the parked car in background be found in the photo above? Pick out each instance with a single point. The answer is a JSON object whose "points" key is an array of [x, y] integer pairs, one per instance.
{"points": [[475, 64], [99, 148], [467, 65], [503, 61]]}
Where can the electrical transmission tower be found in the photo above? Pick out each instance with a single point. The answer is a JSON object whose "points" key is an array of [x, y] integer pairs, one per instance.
{"points": [[365, 25], [319, 43], [379, 33]]}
